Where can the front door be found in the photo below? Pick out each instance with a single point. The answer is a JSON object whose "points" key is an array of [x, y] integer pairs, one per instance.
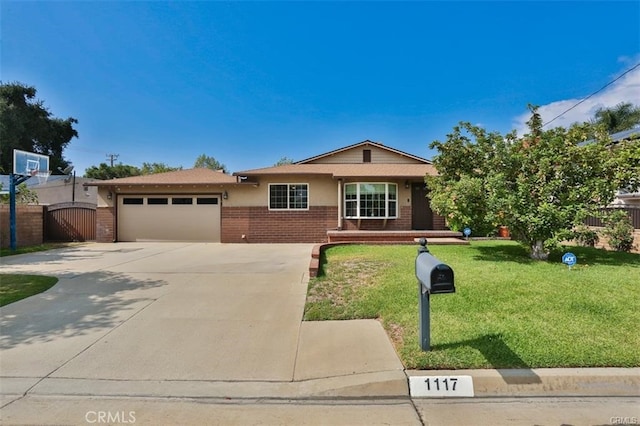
{"points": [[421, 214]]}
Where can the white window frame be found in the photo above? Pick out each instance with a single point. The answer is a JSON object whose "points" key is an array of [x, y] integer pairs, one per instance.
{"points": [[289, 189], [358, 200]]}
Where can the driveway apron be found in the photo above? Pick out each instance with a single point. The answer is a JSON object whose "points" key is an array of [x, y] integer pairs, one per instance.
{"points": [[157, 312]]}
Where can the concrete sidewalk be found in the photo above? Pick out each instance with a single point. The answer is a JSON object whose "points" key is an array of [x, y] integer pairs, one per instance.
{"points": [[151, 325]]}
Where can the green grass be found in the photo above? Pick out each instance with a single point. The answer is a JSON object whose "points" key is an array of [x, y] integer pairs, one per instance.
{"points": [[31, 249], [15, 287], [508, 311]]}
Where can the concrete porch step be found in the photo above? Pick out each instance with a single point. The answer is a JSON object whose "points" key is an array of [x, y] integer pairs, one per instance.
{"points": [[390, 236]]}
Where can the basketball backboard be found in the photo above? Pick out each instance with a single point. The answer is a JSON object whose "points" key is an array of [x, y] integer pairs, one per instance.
{"points": [[29, 163]]}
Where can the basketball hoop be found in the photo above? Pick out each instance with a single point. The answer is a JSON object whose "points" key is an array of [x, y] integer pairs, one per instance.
{"points": [[42, 177]]}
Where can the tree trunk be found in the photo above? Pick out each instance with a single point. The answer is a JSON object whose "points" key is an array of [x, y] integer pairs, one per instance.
{"points": [[538, 252]]}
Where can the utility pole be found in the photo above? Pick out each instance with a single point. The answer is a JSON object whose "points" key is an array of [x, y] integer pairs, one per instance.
{"points": [[112, 158]]}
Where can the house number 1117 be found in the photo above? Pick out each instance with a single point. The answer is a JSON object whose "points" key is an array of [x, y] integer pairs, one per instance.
{"points": [[445, 384], [441, 386]]}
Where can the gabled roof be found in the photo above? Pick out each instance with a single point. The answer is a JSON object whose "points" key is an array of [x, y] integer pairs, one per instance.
{"points": [[626, 134], [363, 143], [198, 176], [403, 171]]}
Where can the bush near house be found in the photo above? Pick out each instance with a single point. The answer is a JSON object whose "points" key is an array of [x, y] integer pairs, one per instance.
{"points": [[619, 231], [585, 236]]}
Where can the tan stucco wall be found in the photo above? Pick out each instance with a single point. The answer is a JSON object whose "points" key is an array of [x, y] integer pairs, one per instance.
{"points": [[59, 191], [323, 191], [104, 201]]}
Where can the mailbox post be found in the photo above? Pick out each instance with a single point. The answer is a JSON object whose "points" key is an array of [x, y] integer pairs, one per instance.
{"points": [[434, 277]]}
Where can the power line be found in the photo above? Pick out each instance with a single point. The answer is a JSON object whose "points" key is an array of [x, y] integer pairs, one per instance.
{"points": [[594, 93], [112, 158]]}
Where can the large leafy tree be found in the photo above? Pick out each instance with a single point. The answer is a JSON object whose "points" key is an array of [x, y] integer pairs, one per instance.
{"points": [[105, 171], [539, 185], [153, 168], [26, 124], [284, 161], [464, 162], [208, 162], [24, 195], [621, 117]]}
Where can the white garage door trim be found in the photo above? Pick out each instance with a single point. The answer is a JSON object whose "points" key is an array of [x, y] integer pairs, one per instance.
{"points": [[163, 217]]}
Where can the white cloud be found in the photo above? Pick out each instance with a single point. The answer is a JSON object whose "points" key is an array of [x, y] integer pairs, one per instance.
{"points": [[626, 89]]}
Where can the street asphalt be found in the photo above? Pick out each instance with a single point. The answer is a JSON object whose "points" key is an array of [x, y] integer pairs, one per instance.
{"points": [[196, 333]]}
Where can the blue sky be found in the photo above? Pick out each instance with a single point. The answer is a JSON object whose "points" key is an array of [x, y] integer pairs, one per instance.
{"points": [[251, 82]]}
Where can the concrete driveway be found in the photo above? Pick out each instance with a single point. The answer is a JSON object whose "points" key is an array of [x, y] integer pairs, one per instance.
{"points": [[184, 320]]}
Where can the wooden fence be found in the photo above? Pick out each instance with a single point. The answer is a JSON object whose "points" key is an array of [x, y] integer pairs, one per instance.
{"points": [[633, 212]]}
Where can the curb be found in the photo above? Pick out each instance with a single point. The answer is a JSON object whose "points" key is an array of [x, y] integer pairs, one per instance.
{"points": [[382, 384], [548, 382]]}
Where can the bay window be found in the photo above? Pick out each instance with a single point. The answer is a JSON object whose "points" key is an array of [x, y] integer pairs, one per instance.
{"points": [[370, 200]]}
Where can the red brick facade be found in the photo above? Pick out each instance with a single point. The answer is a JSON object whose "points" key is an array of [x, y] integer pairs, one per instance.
{"points": [[261, 225], [439, 223], [402, 223], [29, 225], [105, 224]]}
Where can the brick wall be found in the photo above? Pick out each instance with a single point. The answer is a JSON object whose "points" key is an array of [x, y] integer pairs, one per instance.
{"points": [[402, 223], [604, 243], [260, 225], [105, 224], [29, 225], [439, 223]]}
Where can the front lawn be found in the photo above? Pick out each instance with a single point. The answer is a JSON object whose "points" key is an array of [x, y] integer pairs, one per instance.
{"points": [[15, 287], [508, 311]]}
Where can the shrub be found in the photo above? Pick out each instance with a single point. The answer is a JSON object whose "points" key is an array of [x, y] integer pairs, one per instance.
{"points": [[619, 230], [585, 236]]}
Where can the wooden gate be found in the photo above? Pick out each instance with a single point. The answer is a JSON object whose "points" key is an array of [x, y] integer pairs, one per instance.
{"points": [[70, 222]]}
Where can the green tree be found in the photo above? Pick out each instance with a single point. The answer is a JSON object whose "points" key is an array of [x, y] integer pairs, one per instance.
{"points": [[283, 161], [24, 195], [621, 117], [153, 168], [464, 162], [539, 185], [204, 161], [26, 124], [105, 171]]}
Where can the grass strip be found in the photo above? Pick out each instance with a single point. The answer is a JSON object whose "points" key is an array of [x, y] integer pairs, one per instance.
{"points": [[14, 287]]}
